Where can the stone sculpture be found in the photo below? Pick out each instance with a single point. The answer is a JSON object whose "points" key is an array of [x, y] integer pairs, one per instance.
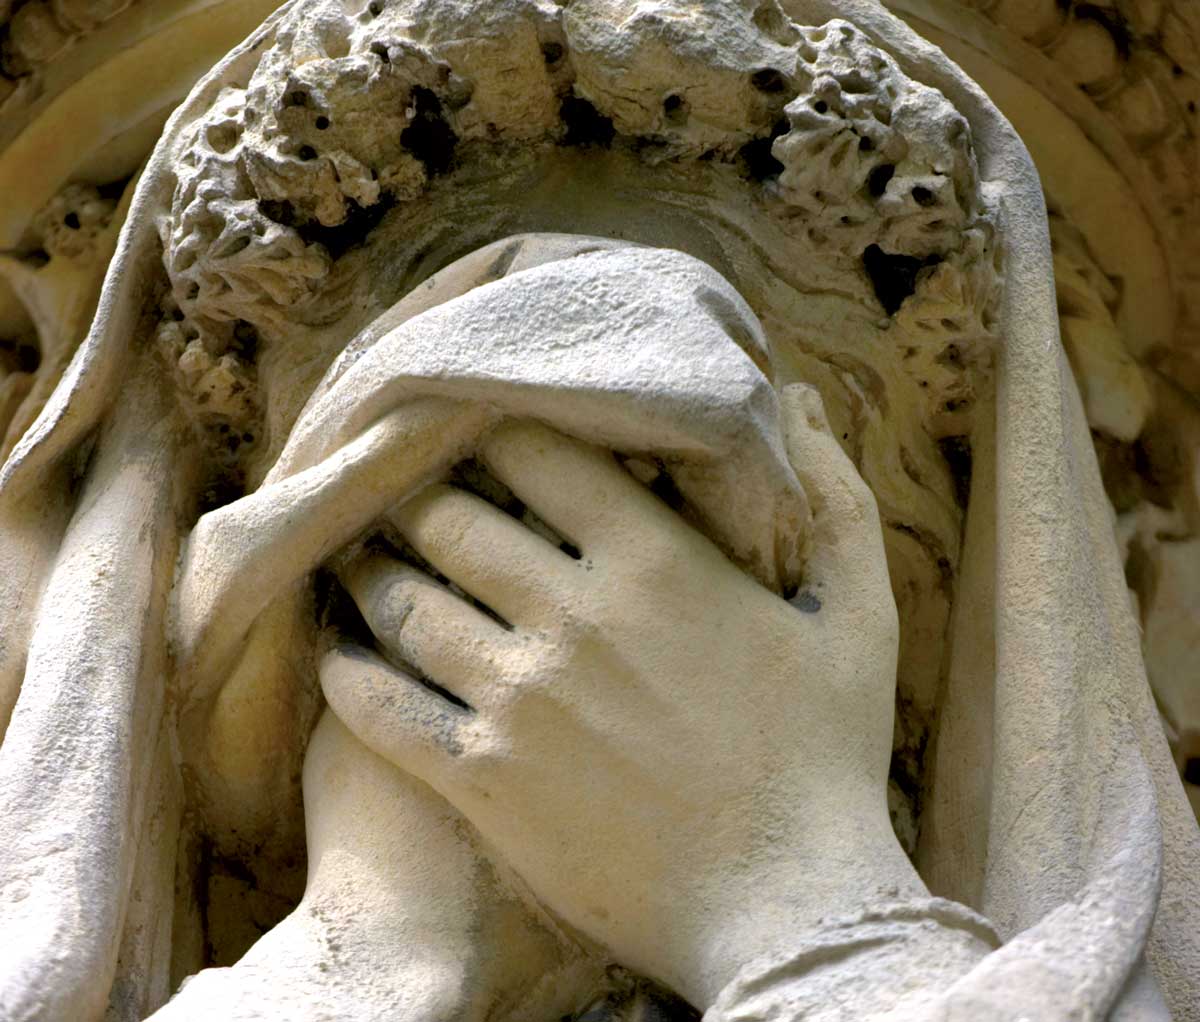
{"points": [[732, 326]]}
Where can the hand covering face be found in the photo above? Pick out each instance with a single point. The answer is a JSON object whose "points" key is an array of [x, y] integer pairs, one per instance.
{"points": [[645, 351]]}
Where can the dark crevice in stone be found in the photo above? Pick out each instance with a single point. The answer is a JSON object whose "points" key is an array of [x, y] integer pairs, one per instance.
{"points": [[336, 609], [1159, 468], [922, 196], [224, 879], [226, 484], [957, 452], [114, 189], [894, 277], [429, 137], [1140, 575], [768, 80], [440, 690], [908, 764], [585, 124], [877, 180], [757, 160], [664, 488], [1191, 770], [200, 893], [905, 771], [675, 109], [244, 342], [338, 239], [473, 476], [19, 356]]}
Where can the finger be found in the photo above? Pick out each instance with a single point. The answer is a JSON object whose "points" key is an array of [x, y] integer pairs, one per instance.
{"points": [[393, 714], [521, 576], [578, 488], [847, 559], [423, 625], [240, 556]]}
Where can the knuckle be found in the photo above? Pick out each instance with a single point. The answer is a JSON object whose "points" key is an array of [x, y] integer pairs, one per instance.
{"points": [[511, 440], [860, 492], [853, 500], [389, 612], [486, 750], [532, 709], [436, 518]]}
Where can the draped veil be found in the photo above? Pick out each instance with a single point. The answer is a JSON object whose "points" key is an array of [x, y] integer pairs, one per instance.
{"points": [[1053, 805]]}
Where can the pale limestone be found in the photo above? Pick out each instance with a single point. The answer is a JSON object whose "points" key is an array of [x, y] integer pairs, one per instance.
{"points": [[370, 235]]}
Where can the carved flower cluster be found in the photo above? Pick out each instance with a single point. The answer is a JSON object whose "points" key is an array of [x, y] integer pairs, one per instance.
{"points": [[329, 134], [338, 117], [229, 264], [343, 114], [872, 156], [354, 106], [39, 30], [880, 168], [219, 386], [226, 259], [70, 223]]}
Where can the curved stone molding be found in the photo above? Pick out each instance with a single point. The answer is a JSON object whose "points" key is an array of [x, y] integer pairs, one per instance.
{"points": [[1107, 103], [70, 241]]}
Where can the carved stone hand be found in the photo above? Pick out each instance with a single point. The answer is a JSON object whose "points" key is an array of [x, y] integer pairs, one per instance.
{"points": [[680, 763]]}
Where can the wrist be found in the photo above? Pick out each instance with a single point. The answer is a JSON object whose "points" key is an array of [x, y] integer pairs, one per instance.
{"points": [[891, 960], [755, 909]]}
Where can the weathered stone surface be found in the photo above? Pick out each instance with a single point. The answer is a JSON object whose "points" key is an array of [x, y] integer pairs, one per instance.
{"points": [[572, 509]]}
